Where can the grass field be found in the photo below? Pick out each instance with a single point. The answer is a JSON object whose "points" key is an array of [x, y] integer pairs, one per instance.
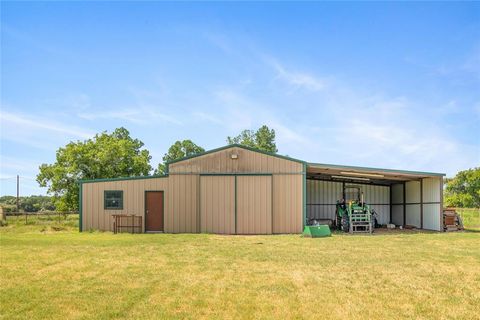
{"points": [[50, 271], [471, 218]]}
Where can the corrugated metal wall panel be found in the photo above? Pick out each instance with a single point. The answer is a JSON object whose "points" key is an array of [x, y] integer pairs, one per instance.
{"points": [[322, 197], [97, 218], [412, 192], [397, 193], [432, 208], [182, 191], [397, 214], [413, 211], [182, 204], [254, 205], [378, 197], [431, 217], [217, 204], [383, 213], [413, 215], [373, 194], [431, 190], [247, 161], [287, 203], [182, 201], [321, 212]]}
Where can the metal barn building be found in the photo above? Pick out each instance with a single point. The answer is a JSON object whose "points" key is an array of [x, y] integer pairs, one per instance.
{"points": [[239, 190]]}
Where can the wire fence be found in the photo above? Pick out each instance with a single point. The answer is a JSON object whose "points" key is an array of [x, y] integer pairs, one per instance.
{"points": [[39, 213], [27, 217]]}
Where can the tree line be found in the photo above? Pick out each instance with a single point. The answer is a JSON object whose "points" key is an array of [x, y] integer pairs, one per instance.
{"points": [[27, 204], [463, 190]]}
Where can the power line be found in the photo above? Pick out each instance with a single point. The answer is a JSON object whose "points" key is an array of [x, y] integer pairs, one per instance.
{"points": [[14, 177]]}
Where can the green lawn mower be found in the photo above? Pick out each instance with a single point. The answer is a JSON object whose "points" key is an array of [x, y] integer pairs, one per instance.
{"points": [[355, 215]]}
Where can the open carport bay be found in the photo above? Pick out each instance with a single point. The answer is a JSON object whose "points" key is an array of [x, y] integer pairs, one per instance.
{"points": [[403, 198]]}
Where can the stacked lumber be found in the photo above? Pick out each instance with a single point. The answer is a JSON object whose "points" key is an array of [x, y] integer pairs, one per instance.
{"points": [[452, 220]]}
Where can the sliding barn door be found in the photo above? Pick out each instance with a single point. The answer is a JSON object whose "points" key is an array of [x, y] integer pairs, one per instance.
{"points": [[254, 204], [217, 204]]}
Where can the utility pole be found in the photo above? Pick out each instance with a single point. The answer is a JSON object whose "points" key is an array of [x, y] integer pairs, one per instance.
{"points": [[18, 193], [18, 198]]}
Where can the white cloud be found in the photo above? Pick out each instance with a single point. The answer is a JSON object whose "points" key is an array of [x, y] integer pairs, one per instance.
{"points": [[141, 115], [207, 117], [38, 132], [347, 126], [297, 80], [382, 132], [14, 165], [25, 122], [468, 65], [219, 41]]}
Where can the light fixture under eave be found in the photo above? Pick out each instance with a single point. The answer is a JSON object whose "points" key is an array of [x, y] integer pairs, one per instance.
{"points": [[351, 178], [373, 175]]}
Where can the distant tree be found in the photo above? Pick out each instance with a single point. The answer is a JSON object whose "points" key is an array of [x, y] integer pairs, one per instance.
{"points": [[262, 139], [178, 150], [464, 189], [105, 156], [27, 204], [37, 203]]}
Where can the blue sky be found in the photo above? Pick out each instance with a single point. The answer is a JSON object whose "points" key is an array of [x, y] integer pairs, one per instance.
{"points": [[393, 85]]}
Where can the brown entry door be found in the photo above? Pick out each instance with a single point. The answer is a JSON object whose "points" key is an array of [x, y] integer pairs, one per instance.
{"points": [[153, 210]]}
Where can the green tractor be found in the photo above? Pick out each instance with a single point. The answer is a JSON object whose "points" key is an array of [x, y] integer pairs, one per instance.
{"points": [[354, 215]]}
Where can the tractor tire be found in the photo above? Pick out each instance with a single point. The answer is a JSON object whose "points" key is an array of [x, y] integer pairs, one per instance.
{"points": [[338, 220], [345, 223]]}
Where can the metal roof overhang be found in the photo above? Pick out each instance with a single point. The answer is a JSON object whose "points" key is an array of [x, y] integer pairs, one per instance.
{"points": [[366, 175]]}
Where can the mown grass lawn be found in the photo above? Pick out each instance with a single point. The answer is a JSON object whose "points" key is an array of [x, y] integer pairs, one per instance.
{"points": [[50, 271]]}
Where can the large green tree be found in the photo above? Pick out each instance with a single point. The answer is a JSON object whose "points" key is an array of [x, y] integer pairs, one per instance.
{"points": [[105, 156], [464, 189], [262, 139], [178, 150]]}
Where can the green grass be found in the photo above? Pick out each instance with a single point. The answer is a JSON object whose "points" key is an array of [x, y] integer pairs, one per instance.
{"points": [[471, 217], [50, 271]]}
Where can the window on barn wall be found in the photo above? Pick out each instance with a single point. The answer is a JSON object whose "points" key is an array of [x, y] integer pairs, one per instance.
{"points": [[113, 200]]}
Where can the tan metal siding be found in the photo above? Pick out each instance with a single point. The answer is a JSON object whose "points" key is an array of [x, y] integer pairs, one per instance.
{"points": [[287, 203], [95, 217], [182, 196], [247, 162], [217, 204], [254, 204], [182, 204]]}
